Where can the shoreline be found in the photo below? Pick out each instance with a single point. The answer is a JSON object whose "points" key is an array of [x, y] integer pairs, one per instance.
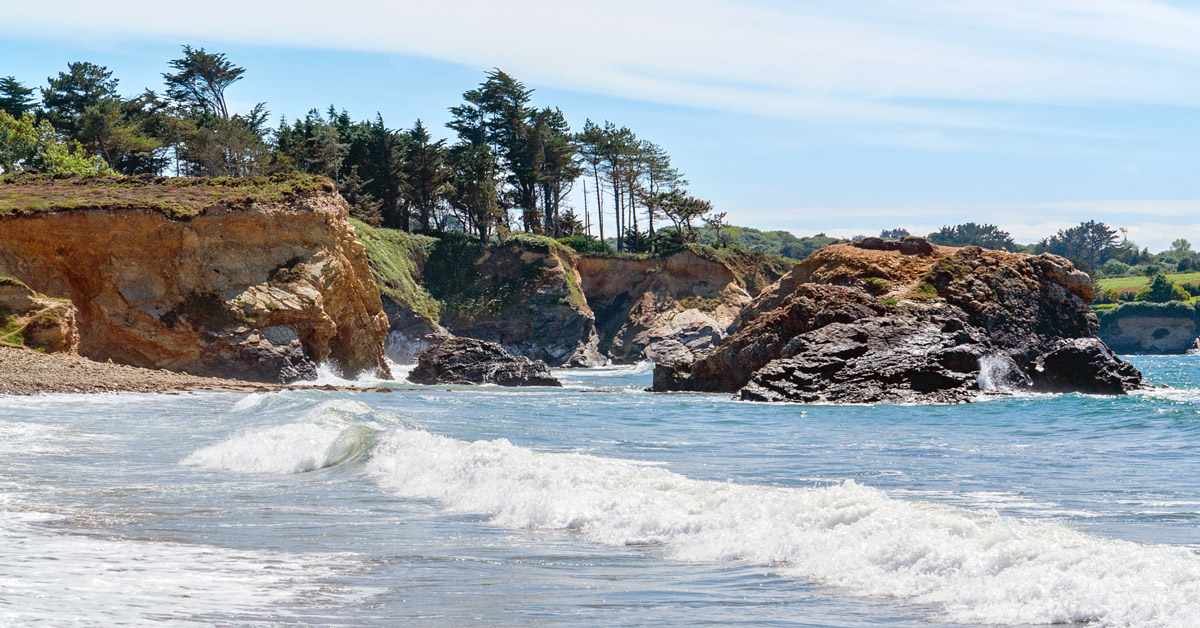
{"points": [[24, 372]]}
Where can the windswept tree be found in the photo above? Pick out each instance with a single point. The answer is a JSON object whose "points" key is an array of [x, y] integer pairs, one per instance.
{"points": [[684, 210], [211, 141], [200, 81]]}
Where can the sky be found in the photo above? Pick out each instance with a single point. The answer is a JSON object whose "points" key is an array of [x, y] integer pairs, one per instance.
{"points": [[811, 116]]}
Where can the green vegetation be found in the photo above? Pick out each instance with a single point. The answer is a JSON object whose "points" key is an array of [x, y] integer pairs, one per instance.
{"points": [[396, 259], [178, 198], [1172, 309], [923, 292], [12, 331], [1132, 284]]}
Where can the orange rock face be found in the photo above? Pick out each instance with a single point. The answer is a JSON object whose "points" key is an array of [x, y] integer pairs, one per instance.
{"points": [[260, 291]]}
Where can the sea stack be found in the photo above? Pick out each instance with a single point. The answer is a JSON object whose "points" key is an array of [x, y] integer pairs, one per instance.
{"points": [[911, 322]]}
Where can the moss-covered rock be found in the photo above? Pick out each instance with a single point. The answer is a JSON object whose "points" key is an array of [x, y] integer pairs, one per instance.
{"points": [[29, 319]]}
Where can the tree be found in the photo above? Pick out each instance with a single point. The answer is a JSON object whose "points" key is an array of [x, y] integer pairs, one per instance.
{"points": [[426, 174], [683, 209], [1161, 290], [69, 95], [209, 141], [1087, 245], [716, 220], [26, 143], [15, 98], [201, 80], [972, 234], [591, 149], [895, 234], [473, 190], [312, 144], [559, 167]]}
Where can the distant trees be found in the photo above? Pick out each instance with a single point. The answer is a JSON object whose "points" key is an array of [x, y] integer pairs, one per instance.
{"points": [[895, 234], [972, 234], [1088, 245]]}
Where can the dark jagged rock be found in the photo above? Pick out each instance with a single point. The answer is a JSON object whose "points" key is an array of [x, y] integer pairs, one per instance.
{"points": [[1084, 365], [870, 322], [471, 361], [880, 359]]}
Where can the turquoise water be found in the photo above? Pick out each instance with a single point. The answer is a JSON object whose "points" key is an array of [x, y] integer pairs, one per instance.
{"points": [[600, 505]]}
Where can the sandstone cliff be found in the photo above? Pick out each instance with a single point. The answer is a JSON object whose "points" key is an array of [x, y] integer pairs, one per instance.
{"points": [[909, 321], [675, 308], [256, 279]]}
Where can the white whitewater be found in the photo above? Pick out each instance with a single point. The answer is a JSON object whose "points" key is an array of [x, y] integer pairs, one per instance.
{"points": [[977, 568]]}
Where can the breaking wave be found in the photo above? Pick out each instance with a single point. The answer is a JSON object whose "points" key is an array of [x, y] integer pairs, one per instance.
{"points": [[974, 567]]}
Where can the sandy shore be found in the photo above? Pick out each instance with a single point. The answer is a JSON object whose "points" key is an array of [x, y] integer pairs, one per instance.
{"points": [[26, 372]]}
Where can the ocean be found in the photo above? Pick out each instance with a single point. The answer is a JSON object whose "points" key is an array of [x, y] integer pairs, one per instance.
{"points": [[600, 505]]}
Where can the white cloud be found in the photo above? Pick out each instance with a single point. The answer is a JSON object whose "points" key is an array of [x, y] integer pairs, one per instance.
{"points": [[918, 62]]}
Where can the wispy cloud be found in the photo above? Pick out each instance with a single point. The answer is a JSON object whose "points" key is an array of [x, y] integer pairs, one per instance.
{"points": [[933, 63]]}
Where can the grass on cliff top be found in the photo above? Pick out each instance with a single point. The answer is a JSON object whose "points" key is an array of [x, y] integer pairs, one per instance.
{"points": [[396, 258], [175, 197], [1133, 284]]}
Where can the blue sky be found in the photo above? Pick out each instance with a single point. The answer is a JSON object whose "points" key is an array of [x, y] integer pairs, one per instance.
{"points": [[842, 117]]}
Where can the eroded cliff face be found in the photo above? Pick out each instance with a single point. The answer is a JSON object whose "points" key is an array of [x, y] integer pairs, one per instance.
{"points": [[523, 294], [259, 290], [670, 309], [874, 322]]}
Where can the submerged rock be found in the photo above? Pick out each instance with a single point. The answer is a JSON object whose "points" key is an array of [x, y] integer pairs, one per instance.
{"points": [[886, 321], [471, 361]]}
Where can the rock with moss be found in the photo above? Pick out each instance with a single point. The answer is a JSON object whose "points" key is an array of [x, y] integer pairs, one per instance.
{"points": [[35, 321], [523, 293], [471, 361]]}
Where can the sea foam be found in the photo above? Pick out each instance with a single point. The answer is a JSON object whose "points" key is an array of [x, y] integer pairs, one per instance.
{"points": [[974, 567]]}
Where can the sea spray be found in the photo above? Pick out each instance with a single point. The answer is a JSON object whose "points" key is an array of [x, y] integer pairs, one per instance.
{"points": [[999, 373], [974, 567]]}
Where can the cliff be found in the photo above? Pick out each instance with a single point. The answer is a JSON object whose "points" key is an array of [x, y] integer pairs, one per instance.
{"points": [[675, 308], [909, 321], [257, 279], [522, 293], [1151, 328]]}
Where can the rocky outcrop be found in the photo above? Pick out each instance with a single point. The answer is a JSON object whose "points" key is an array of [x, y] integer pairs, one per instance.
{"points": [[1150, 328], [471, 361], [256, 279], [523, 293], [28, 319], [672, 309], [910, 322]]}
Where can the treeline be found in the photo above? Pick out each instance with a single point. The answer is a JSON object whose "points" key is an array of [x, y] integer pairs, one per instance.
{"points": [[510, 165], [1093, 246]]}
